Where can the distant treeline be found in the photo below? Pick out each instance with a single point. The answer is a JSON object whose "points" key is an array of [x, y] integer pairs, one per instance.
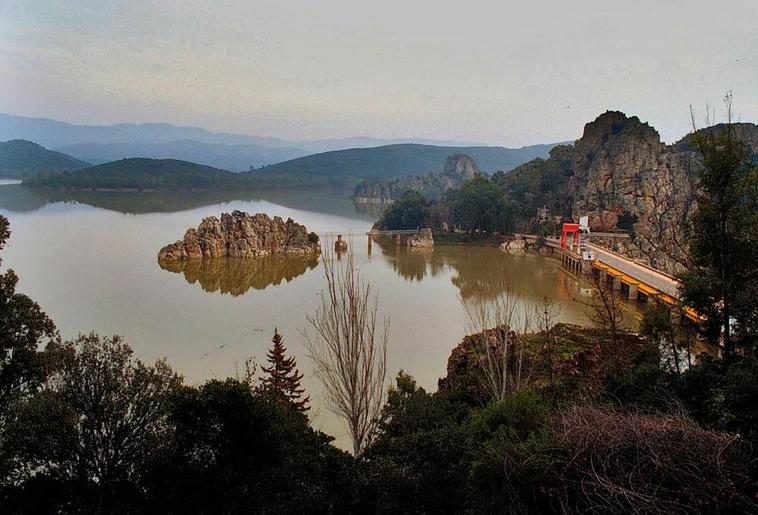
{"points": [[168, 174]]}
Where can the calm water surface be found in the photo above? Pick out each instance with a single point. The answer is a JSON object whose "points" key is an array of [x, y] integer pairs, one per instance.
{"points": [[89, 259]]}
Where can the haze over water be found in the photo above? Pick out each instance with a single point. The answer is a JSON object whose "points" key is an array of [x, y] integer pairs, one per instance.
{"points": [[95, 269]]}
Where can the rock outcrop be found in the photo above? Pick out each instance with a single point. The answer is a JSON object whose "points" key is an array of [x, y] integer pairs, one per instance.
{"points": [[457, 169], [239, 234], [622, 176], [422, 239]]}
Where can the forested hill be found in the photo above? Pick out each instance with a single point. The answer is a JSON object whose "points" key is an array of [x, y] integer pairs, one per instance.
{"points": [[139, 173], [21, 158], [392, 161]]}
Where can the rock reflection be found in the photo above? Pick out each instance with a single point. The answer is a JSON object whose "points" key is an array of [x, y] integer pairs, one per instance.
{"points": [[236, 276]]}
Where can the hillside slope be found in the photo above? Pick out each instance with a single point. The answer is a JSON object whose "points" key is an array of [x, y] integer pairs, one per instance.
{"points": [[139, 173], [21, 158], [392, 161], [217, 155]]}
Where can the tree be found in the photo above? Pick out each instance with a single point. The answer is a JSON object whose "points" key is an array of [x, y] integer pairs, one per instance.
{"points": [[656, 325], [349, 353], [481, 206], [607, 314], [235, 449], [23, 328], [722, 282], [100, 417], [499, 348], [283, 378], [408, 212], [546, 312]]}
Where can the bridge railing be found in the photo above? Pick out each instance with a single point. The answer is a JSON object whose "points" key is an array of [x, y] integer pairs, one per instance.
{"points": [[393, 232]]}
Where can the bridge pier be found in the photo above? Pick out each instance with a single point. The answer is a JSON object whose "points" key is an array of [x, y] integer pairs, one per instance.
{"points": [[369, 245], [633, 292], [616, 282]]}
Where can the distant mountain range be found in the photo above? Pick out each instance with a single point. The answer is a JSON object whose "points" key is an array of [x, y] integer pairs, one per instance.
{"points": [[237, 157], [237, 152], [20, 158]]}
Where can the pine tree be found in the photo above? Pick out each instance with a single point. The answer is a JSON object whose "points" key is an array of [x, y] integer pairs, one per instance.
{"points": [[283, 378], [722, 282]]}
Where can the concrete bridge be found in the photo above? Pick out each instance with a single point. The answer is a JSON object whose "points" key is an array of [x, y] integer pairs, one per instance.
{"points": [[637, 280]]}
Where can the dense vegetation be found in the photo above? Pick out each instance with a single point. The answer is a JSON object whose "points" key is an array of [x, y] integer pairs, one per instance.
{"points": [[20, 158], [479, 206], [139, 174]]}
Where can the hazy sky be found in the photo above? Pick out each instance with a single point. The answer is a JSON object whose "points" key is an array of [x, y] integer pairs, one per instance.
{"points": [[508, 73]]}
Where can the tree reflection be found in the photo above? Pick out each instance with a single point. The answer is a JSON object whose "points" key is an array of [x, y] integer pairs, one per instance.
{"points": [[476, 271], [236, 276]]}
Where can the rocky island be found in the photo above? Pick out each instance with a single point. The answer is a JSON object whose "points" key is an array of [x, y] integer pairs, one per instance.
{"points": [[239, 234]]}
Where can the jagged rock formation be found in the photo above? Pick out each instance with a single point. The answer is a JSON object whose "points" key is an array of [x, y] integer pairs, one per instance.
{"points": [[457, 169], [622, 176], [239, 234]]}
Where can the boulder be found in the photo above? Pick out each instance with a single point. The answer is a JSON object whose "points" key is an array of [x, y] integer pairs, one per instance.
{"points": [[422, 239], [239, 234], [515, 247]]}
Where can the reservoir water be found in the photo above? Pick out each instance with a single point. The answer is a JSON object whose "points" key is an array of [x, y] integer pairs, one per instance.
{"points": [[90, 261]]}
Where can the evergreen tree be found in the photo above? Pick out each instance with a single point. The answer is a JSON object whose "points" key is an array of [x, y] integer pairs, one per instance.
{"points": [[283, 378], [723, 280]]}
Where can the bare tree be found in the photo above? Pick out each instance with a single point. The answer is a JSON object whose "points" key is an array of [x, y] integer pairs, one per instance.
{"points": [[607, 314], [498, 343], [546, 312], [349, 352]]}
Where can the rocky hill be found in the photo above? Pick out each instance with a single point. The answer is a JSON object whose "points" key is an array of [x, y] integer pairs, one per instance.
{"points": [[457, 169], [622, 176], [240, 235]]}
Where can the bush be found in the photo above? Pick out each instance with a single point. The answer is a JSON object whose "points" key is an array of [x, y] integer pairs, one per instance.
{"points": [[619, 461]]}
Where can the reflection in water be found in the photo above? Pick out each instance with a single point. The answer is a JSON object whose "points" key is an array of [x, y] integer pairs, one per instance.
{"points": [[20, 199], [237, 275], [371, 210], [481, 273]]}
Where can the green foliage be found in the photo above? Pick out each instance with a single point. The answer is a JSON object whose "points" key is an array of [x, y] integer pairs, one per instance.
{"points": [[540, 183], [420, 458], [235, 449], [722, 282], [481, 206], [141, 174], [101, 416], [23, 328], [282, 378], [408, 212], [515, 458]]}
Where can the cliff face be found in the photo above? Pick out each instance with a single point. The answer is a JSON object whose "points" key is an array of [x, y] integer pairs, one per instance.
{"points": [[623, 176], [239, 234], [621, 169], [457, 169]]}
